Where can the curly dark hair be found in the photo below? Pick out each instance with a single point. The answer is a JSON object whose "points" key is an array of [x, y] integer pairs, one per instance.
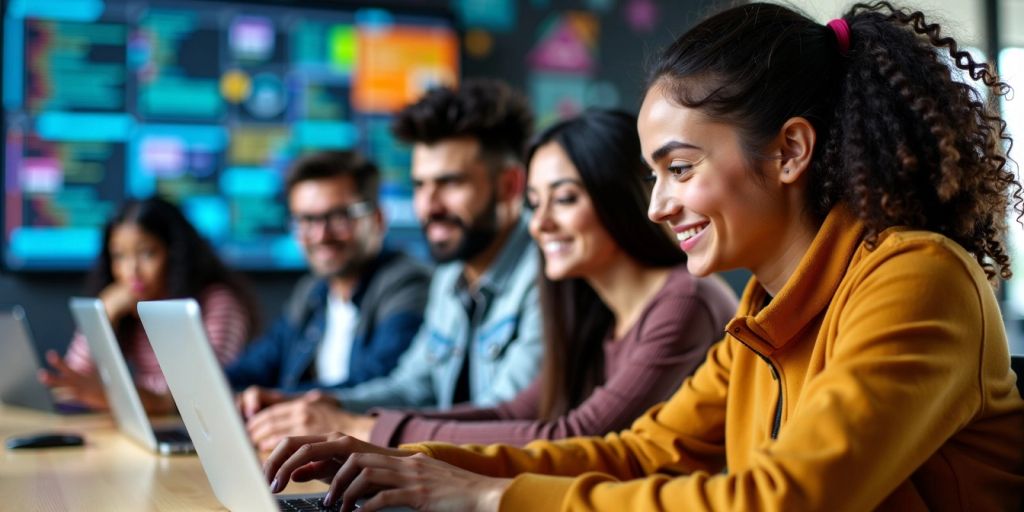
{"points": [[489, 111], [901, 139], [192, 264]]}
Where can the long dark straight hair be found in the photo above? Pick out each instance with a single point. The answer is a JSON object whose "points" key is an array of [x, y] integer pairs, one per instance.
{"points": [[192, 264], [605, 149]]}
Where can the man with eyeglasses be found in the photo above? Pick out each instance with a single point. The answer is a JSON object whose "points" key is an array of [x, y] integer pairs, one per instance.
{"points": [[356, 313], [481, 341]]}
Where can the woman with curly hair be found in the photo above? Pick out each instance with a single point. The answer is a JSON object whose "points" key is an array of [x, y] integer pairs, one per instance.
{"points": [[150, 251], [867, 367]]}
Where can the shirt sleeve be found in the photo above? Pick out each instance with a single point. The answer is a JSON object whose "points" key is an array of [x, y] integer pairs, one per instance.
{"points": [[78, 357], [260, 363], [668, 343], [226, 323]]}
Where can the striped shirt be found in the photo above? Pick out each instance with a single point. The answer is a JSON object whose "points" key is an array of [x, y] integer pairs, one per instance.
{"points": [[224, 317]]}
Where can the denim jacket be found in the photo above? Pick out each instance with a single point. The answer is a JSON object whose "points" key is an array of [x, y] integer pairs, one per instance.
{"points": [[390, 299], [504, 344]]}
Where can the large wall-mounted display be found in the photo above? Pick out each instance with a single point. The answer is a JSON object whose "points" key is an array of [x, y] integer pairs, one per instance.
{"points": [[202, 102]]}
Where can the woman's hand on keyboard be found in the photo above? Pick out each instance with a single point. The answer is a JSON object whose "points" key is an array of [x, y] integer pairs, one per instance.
{"points": [[385, 477]]}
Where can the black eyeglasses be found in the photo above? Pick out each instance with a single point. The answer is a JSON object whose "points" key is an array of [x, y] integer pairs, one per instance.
{"points": [[337, 219]]}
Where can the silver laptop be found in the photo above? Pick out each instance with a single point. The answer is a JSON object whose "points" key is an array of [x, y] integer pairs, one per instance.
{"points": [[19, 364], [200, 390], [125, 404]]}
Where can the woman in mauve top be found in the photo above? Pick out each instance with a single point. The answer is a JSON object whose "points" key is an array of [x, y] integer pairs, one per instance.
{"points": [[625, 322], [623, 326]]}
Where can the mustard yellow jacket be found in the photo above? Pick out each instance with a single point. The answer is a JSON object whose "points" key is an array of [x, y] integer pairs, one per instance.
{"points": [[876, 379]]}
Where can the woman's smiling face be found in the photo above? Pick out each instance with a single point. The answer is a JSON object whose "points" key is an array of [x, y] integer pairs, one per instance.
{"points": [[564, 222], [724, 215]]}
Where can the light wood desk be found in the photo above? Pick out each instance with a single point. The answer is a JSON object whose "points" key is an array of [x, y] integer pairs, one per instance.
{"points": [[109, 473]]}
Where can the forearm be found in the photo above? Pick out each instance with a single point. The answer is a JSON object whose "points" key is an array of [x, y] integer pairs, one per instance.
{"points": [[570, 457], [511, 432], [461, 412]]}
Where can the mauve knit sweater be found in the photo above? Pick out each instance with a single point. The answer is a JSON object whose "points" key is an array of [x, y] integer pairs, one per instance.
{"points": [[664, 346]]}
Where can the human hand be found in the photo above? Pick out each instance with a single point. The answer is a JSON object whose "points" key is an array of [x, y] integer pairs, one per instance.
{"points": [[389, 477], [84, 388], [255, 398], [118, 301], [278, 473], [359, 426], [312, 413]]}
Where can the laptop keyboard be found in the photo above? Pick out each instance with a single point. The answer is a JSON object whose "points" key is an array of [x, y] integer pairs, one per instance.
{"points": [[173, 436], [305, 505]]}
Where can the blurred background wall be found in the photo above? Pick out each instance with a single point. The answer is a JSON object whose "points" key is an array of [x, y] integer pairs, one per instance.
{"points": [[566, 55]]}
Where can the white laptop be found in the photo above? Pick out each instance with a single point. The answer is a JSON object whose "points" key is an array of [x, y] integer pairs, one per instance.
{"points": [[200, 390], [125, 404], [19, 364]]}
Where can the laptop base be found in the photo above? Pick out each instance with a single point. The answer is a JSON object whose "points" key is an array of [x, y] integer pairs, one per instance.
{"points": [[173, 441]]}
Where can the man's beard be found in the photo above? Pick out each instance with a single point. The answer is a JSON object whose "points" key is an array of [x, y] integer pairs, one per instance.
{"points": [[353, 267], [476, 236]]}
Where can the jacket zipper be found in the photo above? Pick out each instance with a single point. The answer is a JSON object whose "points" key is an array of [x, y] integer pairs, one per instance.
{"points": [[778, 403], [777, 421]]}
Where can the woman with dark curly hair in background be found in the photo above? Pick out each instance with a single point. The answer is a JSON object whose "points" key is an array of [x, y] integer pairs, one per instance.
{"points": [[867, 367], [150, 251]]}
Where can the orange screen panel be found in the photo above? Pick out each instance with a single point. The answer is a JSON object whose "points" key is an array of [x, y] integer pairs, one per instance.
{"points": [[396, 65]]}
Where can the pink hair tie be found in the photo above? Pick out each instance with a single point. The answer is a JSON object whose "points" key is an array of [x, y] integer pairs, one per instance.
{"points": [[842, 32]]}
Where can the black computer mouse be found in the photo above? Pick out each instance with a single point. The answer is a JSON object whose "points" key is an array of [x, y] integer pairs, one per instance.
{"points": [[44, 440]]}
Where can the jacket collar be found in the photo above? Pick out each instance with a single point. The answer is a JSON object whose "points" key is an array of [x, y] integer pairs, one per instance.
{"points": [[807, 292]]}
